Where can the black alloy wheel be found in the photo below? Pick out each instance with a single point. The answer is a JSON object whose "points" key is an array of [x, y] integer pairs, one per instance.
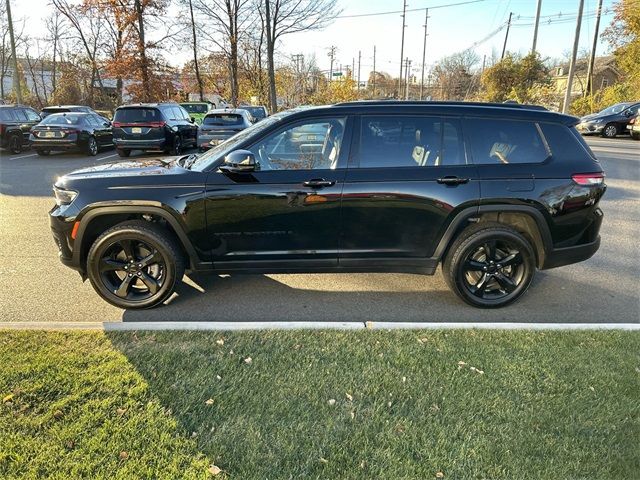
{"points": [[92, 147], [15, 144], [610, 131], [135, 265], [177, 146], [490, 266]]}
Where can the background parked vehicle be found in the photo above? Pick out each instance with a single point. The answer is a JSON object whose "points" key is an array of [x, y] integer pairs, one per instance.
{"points": [[197, 110], [153, 127], [16, 122], [634, 127], [609, 122], [219, 125], [86, 132], [46, 111], [258, 112]]}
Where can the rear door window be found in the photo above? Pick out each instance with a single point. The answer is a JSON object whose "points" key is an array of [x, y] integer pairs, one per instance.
{"points": [[7, 115], [138, 115], [503, 142]]}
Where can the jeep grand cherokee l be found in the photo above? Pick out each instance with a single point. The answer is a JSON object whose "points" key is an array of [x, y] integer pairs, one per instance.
{"points": [[15, 123], [491, 192]]}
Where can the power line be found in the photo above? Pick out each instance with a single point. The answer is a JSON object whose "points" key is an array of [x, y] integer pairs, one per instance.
{"points": [[409, 9]]}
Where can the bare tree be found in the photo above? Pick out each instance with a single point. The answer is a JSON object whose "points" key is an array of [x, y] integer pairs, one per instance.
{"points": [[453, 76], [56, 30], [195, 52], [283, 17]]}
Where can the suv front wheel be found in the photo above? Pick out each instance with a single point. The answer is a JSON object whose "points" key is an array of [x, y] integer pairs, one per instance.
{"points": [[135, 264], [489, 265]]}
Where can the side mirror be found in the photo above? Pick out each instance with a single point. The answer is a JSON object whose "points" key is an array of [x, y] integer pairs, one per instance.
{"points": [[239, 161], [193, 120], [628, 113], [107, 124]]}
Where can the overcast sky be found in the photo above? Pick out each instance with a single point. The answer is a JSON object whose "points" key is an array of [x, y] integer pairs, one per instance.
{"points": [[450, 29]]}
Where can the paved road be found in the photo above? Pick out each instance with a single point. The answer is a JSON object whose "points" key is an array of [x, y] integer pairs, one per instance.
{"points": [[34, 286]]}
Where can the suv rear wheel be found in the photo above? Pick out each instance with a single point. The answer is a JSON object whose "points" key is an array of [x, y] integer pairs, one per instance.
{"points": [[123, 153], [15, 144], [135, 264], [489, 265]]}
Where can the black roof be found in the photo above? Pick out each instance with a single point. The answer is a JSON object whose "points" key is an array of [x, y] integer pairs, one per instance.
{"points": [[150, 105], [65, 106]]}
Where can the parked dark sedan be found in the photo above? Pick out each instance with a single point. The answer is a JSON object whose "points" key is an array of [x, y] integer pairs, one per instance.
{"points": [[86, 132], [15, 123], [219, 125], [609, 122], [46, 111]]}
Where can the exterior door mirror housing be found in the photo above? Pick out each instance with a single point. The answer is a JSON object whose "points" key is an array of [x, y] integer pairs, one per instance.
{"points": [[239, 161], [193, 120]]}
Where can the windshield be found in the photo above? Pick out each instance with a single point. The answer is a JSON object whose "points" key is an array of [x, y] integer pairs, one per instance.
{"points": [[222, 119], [62, 119], [614, 109], [195, 107], [207, 159]]}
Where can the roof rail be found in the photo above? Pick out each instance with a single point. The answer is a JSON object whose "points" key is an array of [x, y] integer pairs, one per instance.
{"points": [[444, 103]]}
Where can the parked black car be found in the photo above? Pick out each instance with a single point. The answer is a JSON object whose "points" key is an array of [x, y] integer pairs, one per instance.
{"points": [[86, 132], [46, 111], [15, 123], [258, 112], [609, 122], [490, 191], [221, 124], [153, 126]]}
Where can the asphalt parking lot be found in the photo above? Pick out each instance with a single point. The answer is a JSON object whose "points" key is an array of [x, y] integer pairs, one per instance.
{"points": [[35, 287]]}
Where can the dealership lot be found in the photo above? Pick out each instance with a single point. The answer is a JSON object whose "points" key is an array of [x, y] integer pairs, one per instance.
{"points": [[34, 286]]}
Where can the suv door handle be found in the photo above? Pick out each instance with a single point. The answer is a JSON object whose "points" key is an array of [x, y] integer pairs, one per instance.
{"points": [[452, 180], [319, 182]]}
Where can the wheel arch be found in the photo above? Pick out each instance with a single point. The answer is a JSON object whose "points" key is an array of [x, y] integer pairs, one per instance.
{"points": [[527, 220], [98, 219]]}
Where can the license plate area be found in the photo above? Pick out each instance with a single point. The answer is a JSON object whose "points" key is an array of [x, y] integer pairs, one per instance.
{"points": [[136, 130]]}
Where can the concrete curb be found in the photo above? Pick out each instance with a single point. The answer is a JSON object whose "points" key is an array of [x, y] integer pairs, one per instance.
{"points": [[235, 326]]}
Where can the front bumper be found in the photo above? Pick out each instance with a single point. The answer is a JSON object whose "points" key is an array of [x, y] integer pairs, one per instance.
{"points": [[61, 224], [589, 128]]}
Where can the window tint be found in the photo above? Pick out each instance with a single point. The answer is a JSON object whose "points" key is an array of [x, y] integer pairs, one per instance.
{"points": [[137, 115], [394, 141], [195, 107], [31, 115], [222, 119], [504, 141], [20, 115], [565, 143], [184, 114], [63, 119], [7, 115], [312, 144]]}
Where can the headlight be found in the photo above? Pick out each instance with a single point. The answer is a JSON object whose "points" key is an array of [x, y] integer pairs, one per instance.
{"points": [[64, 197]]}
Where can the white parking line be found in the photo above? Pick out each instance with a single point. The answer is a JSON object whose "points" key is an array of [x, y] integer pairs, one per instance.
{"points": [[24, 156], [108, 156]]}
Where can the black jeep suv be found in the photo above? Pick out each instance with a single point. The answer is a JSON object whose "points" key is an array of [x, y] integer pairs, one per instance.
{"points": [[16, 122], [490, 191], [153, 126]]}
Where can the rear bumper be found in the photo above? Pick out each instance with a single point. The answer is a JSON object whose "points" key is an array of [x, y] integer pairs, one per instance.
{"points": [[566, 256], [50, 144], [152, 144]]}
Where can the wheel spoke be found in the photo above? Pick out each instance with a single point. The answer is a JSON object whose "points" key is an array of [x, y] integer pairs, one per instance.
{"points": [[506, 282], [109, 265], [481, 286], [474, 266], [490, 250], [127, 248], [513, 259], [150, 259], [151, 283], [123, 289]]}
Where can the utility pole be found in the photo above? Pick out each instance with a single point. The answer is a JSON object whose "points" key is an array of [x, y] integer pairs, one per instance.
{"points": [[424, 49], [484, 61], [359, 58], [535, 29], [16, 75], [332, 54], [572, 65], [299, 59], [404, 11], [592, 57], [504, 47], [408, 75], [374, 71]]}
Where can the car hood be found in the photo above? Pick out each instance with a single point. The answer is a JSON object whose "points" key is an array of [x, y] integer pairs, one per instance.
{"points": [[166, 166]]}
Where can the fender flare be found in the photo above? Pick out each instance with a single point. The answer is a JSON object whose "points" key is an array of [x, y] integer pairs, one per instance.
{"points": [[469, 213], [86, 219]]}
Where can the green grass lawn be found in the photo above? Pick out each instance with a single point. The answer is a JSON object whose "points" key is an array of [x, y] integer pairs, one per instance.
{"points": [[331, 405]]}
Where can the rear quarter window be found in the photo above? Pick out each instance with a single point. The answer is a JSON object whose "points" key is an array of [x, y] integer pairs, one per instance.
{"points": [[6, 115], [503, 142], [138, 115], [565, 142]]}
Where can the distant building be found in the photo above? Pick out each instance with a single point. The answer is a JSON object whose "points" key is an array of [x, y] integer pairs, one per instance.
{"points": [[605, 73]]}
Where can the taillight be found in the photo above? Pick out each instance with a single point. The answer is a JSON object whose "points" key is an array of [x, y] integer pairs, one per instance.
{"points": [[2, 128], [70, 131], [157, 124], [632, 121], [116, 124], [588, 178]]}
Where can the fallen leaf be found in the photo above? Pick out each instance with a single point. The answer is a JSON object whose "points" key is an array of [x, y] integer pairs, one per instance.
{"points": [[439, 475], [349, 397], [215, 470], [194, 434], [121, 411], [220, 341], [58, 414], [332, 401], [592, 389], [209, 402], [404, 379], [363, 464], [461, 363], [353, 415], [230, 352], [434, 407], [388, 404], [124, 455], [248, 360], [324, 460], [369, 325], [218, 377], [8, 398]]}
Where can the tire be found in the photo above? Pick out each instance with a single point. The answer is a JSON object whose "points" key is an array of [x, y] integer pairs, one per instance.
{"points": [[123, 153], [475, 268], [92, 147], [15, 144], [42, 152], [610, 130], [144, 281], [176, 149]]}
